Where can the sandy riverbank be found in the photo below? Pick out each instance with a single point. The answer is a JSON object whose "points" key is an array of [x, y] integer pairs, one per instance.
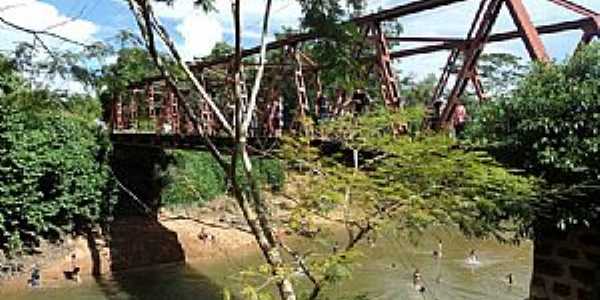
{"points": [[97, 255]]}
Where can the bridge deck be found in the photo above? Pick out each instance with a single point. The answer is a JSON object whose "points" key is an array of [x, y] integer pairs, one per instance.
{"points": [[192, 142]]}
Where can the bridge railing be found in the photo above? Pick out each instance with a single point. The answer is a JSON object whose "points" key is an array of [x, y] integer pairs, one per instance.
{"points": [[153, 108]]}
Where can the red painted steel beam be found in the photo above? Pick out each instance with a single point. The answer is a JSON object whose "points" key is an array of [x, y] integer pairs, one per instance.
{"points": [[388, 14], [529, 34], [404, 10], [425, 50], [418, 39], [580, 9], [482, 33], [580, 24]]}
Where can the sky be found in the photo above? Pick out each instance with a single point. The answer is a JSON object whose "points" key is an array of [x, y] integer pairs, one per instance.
{"points": [[196, 32]]}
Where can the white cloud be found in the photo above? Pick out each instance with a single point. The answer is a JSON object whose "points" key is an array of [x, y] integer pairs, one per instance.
{"points": [[37, 15], [200, 34], [200, 31]]}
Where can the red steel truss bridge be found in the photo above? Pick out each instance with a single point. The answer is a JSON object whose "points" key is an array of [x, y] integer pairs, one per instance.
{"points": [[149, 113]]}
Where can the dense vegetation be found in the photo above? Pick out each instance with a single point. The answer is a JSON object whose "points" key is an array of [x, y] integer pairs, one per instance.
{"points": [[196, 178], [53, 165], [549, 126]]}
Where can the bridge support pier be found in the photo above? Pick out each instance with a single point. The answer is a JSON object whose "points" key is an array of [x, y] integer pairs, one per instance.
{"points": [[136, 237]]}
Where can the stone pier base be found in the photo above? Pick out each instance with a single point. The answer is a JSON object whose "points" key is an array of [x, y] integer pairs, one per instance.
{"points": [[566, 264]]}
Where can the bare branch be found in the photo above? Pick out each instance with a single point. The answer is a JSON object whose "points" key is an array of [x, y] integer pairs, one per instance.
{"points": [[305, 269], [261, 68], [168, 42], [143, 18], [41, 32]]}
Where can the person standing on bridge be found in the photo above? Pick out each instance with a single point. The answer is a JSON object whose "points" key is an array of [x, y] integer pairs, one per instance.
{"points": [[459, 118]]}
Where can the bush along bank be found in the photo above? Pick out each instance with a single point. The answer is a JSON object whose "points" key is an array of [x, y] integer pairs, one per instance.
{"points": [[196, 178], [55, 177]]}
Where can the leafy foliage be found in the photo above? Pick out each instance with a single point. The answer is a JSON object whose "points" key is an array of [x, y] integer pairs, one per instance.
{"points": [[52, 164], [407, 182], [551, 120], [549, 127], [196, 177], [54, 177], [500, 72]]}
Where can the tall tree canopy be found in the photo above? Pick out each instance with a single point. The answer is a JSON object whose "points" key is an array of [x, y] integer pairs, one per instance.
{"points": [[549, 125]]}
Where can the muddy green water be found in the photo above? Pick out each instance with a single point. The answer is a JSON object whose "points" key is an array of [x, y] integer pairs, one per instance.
{"points": [[375, 276]]}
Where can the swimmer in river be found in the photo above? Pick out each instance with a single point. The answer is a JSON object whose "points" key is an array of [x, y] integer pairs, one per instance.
{"points": [[418, 281], [438, 253], [371, 241], [473, 259], [510, 279]]}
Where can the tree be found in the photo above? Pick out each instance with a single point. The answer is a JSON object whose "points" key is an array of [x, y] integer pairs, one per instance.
{"points": [[500, 72], [53, 165], [549, 126], [249, 197], [371, 181]]}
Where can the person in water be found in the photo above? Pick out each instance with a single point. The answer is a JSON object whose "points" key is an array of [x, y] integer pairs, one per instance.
{"points": [[438, 253], [473, 258], [418, 281], [510, 279]]}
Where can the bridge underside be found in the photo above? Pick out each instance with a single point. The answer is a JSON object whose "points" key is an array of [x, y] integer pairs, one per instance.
{"points": [[151, 112], [256, 145]]}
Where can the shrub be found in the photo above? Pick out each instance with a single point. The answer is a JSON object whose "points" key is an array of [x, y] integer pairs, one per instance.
{"points": [[194, 177], [54, 179], [549, 126]]}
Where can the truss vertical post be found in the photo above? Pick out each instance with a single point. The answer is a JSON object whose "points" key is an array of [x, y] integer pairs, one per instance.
{"points": [[389, 90], [133, 111], [165, 110], [528, 32], [476, 81], [471, 55], [174, 112], [150, 101], [301, 95], [118, 113], [274, 114], [319, 94]]}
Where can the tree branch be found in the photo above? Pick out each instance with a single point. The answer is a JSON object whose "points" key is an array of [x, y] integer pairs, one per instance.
{"points": [[261, 68], [41, 32], [143, 19], [168, 42]]}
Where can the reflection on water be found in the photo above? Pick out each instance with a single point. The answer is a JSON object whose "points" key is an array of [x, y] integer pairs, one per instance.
{"points": [[385, 273]]}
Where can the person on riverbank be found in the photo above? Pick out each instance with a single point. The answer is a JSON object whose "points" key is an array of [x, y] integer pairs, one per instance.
{"points": [[510, 279], [206, 236], [36, 278], [75, 269]]}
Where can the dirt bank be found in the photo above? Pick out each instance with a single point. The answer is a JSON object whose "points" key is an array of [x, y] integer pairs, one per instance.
{"points": [[180, 234]]}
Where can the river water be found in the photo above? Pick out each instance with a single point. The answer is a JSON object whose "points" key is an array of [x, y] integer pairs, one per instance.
{"points": [[385, 272]]}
